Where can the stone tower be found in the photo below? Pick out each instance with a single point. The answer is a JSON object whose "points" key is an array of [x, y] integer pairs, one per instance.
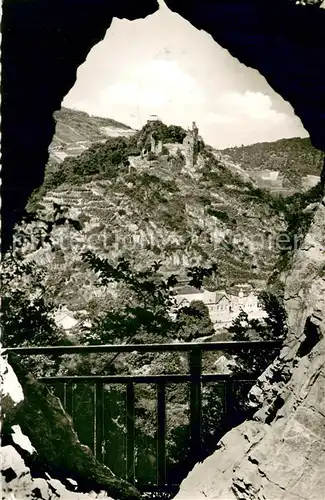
{"points": [[156, 145], [190, 144]]}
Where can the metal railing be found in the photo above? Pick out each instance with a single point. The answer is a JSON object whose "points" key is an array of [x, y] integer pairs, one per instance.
{"points": [[194, 377]]}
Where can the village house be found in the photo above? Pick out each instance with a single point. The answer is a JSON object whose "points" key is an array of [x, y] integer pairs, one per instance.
{"points": [[223, 306]]}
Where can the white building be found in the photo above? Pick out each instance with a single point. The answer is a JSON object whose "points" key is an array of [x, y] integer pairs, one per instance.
{"points": [[223, 307], [310, 181], [153, 118]]}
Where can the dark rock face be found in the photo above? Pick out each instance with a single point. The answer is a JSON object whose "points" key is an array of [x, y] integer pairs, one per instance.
{"points": [[44, 42]]}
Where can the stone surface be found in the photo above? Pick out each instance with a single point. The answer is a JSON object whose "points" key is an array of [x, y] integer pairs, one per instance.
{"points": [[10, 387], [41, 453], [285, 460], [280, 453], [18, 484]]}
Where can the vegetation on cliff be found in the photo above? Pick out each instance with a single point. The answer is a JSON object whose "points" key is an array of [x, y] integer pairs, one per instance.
{"points": [[126, 229], [294, 158], [154, 209], [73, 125]]}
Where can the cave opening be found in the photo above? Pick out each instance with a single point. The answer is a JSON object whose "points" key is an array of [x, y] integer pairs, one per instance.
{"points": [[32, 129]]}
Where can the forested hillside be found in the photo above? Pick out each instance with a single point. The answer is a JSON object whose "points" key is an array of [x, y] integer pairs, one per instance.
{"points": [[294, 158]]}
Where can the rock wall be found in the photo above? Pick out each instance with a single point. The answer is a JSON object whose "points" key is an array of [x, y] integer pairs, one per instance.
{"points": [[280, 453], [18, 483]]}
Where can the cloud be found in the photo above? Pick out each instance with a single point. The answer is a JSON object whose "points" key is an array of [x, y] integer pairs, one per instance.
{"points": [[81, 105], [154, 84], [178, 95], [244, 118], [252, 105], [212, 117], [189, 77]]}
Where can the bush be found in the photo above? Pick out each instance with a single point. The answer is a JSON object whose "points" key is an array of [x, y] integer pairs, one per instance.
{"points": [[99, 161], [152, 156], [251, 361], [194, 321], [26, 316], [223, 216], [160, 131]]}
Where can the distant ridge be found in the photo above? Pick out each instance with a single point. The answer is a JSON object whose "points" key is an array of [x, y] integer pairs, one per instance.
{"points": [[294, 159], [76, 131]]}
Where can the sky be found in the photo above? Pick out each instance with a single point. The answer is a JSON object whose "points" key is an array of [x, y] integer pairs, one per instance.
{"points": [[162, 65]]}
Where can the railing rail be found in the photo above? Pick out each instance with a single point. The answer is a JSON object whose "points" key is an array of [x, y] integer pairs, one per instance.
{"points": [[195, 377], [149, 379], [176, 346]]}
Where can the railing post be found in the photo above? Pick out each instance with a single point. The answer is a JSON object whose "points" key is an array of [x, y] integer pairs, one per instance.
{"points": [[161, 434], [195, 377], [130, 433], [195, 404], [99, 421]]}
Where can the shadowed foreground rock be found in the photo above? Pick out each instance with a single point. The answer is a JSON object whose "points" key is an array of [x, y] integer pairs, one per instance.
{"points": [[285, 460], [59, 455], [280, 453]]}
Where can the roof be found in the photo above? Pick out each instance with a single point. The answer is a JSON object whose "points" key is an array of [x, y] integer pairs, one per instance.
{"points": [[187, 290], [220, 296], [153, 118]]}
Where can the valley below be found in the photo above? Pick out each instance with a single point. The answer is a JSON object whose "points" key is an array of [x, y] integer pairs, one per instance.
{"points": [[152, 236]]}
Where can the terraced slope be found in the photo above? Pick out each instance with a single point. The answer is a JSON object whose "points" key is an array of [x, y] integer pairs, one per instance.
{"points": [[76, 130], [156, 210]]}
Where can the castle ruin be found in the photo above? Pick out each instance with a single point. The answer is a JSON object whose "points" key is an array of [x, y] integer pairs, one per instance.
{"points": [[190, 147], [156, 145]]}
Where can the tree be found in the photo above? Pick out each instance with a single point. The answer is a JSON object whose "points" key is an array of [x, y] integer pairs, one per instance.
{"points": [[194, 321], [253, 361], [27, 312], [144, 304], [272, 327], [275, 321], [27, 318], [146, 309]]}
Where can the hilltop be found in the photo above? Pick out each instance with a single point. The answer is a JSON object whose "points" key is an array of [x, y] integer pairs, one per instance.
{"points": [[76, 130], [295, 164], [161, 194]]}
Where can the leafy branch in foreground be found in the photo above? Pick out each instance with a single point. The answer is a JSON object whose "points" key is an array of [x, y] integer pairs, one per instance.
{"points": [[37, 229], [272, 327], [145, 301], [26, 317], [252, 361]]}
